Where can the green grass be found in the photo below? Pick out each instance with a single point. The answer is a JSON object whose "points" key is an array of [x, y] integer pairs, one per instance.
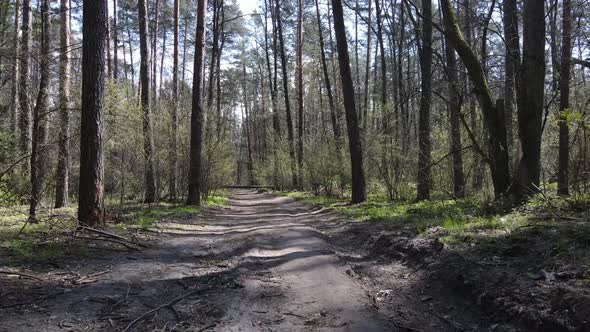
{"points": [[147, 218], [470, 222]]}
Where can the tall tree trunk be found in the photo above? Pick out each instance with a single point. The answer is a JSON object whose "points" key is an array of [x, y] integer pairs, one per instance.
{"points": [[154, 50], [286, 94], [115, 35], [335, 124], [273, 91], [63, 165], [108, 50], [300, 93], [148, 139], [246, 125], [214, 49], [425, 145], [23, 90], [174, 110], [359, 193], [15, 71], [367, 68], [564, 105], [91, 188], [498, 156], [512, 59], [197, 116], [531, 91], [38, 156], [455, 123]]}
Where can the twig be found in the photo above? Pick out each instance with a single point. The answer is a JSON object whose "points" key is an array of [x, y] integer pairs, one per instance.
{"points": [[156, 309], [21, 274], [208, 326], [105, 240], [293, 314]]}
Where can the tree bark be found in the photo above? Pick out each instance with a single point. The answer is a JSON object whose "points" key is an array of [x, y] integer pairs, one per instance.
{"points": [[148, 139], [498, 156], [23, 90], [115, 34], [63, 165], [359, 193], [425, 146], [564, 105], [286, 95], [91, 188], [300, 93], [15, 71], [512, 60], [38, 156], [531, 91], [174, 110], [335, 124], [455, 122], [154, 50], [197, 116]]}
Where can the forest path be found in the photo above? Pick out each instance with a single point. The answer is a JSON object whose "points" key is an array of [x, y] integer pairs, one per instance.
{"points": [[293, 281], [265, 263]]}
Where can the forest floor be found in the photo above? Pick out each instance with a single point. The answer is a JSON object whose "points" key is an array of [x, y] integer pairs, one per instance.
{"points": [[271, 263]]}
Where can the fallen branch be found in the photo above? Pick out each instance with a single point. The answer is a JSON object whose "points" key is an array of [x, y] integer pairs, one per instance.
{"points": [[156, 309], [104, 240], [107, 234], [21, 274]]}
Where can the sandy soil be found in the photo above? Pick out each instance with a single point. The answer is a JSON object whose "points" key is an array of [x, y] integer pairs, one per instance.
{"points": [[266, 263]]}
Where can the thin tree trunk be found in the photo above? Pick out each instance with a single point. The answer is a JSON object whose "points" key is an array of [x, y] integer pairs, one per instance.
{"points": [[115, 34], [300, 93], [498, 157], [335, 124], [174, 110], [286, 95], [455, 123], [512, 59], [197, 116], [148, 140], [359, 193], [15, 71], [425, 145], [161, 80], [23, 91], [63, 165], [531, 91], [38, 157], [367, 68], [564, 105], [154, 50], [91, 188]]}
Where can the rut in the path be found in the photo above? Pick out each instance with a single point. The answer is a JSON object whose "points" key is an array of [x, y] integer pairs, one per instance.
{"points": [[293, 281]]}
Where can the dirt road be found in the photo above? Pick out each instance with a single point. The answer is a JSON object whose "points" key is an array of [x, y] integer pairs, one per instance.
{"points": [[264, 264]]}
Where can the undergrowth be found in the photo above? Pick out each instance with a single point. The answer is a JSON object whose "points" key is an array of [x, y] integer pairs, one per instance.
{"points": [[545, 218], [47, 241]]}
